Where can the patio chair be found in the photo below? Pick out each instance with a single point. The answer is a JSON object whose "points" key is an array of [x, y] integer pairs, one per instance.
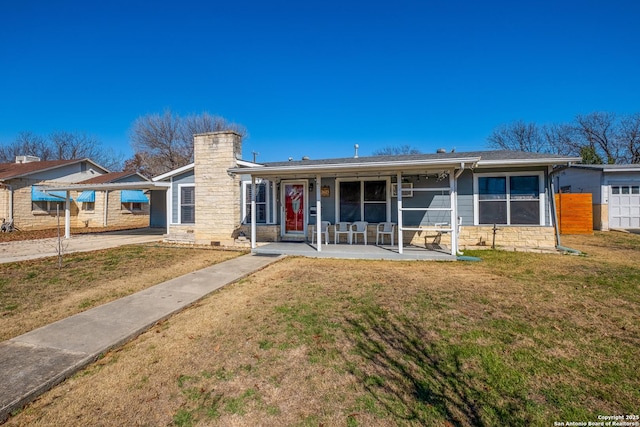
{"points": [[324, 230], [7, 226], [359, 227], [385, 228], [341, 228]]}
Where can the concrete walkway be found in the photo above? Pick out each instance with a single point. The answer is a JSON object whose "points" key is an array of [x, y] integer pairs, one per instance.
{"points": [[23, 250], [33, 363]]}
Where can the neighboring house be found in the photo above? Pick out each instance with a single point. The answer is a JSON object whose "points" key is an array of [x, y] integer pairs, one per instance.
{"points": [[26, 194], [615, 192], [20, 194], [101, 208], [210, 200]]}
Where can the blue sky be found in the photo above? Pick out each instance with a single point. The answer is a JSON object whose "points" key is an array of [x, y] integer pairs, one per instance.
{"points": [[316, 77]]}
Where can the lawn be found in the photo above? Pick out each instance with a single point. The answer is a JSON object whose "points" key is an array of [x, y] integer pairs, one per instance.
{"points": [[517, 339], [35, 293]]}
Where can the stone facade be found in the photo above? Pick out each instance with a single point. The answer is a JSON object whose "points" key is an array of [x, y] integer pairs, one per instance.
{"points": [[535, 237], [27, 218], [600, 217], [217, 194], [471, 237]]}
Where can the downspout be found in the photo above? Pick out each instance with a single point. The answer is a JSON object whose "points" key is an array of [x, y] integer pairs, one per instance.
{"points": [[106, 208], [10, 188], [555, 218]]}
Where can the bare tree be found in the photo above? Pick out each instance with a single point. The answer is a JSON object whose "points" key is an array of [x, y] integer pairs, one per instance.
{"points": [[519, 136], [629, 136], [598, 137], [598, 131], [163, 142], [561, 139], [26, 144], [396, 150], [61, 145]]}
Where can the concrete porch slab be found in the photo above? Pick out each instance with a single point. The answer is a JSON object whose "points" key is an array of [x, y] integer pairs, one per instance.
{"points": [[346, 251]]}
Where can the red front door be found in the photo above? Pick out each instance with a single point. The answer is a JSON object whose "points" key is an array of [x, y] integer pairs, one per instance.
{"points": [[294, 208]]}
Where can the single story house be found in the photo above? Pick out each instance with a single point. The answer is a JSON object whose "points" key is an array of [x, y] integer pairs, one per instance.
{"points": [[449, 198], [615, 192], [30, 197], [104, 207]]}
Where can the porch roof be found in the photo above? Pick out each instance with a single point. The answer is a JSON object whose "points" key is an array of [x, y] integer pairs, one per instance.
{"points": [[376, 165]]}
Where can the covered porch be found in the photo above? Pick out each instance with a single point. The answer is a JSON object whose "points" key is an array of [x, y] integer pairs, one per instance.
{"points": [[308, 193]]}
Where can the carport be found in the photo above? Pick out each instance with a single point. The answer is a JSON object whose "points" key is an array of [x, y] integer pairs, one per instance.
{"points": [[123, 186]]}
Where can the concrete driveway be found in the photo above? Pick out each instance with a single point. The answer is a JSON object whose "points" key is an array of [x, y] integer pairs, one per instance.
{"points": [[32, 249]]}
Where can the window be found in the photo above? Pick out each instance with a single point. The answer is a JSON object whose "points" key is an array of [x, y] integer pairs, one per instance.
{"points": [[47, 206], [363, 201], [262, 205], [509, 199], [132, 206], [187, 205], [88, 206]]}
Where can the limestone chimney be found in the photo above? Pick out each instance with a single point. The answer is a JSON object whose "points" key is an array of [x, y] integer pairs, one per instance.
{"points": [[217, 192]]}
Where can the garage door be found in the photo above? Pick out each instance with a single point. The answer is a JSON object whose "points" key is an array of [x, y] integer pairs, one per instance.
{"points": [[624, 206]]}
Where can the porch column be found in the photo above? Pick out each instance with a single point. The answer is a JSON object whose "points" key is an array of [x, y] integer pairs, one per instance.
{"points": [[453, 190], [169, 198], [318, 214], [67, 216], [399, 195], [253, 212]]}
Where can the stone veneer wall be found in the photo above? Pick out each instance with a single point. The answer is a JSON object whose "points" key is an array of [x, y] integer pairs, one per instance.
{"points": [[471, 237], [27, 219], [264, 233], [474, 237], [118, 216], [600, 217], [217, 194]]}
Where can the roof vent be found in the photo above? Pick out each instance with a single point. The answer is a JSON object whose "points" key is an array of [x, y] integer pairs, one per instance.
{"points": [[290, 159], [441, 151], [355, 156], [305, 157], [27, 159]]}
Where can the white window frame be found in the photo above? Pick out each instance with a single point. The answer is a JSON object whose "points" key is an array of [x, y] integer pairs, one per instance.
{"points": [[362, 202], [269, 195], [541, 195], [130, 206], [180, 186], [86, 205], [51, 206]]}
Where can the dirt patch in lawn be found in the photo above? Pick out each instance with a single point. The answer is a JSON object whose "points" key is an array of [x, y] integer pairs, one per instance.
{"points": [[19, 235], [518, 339], [36, 293]]}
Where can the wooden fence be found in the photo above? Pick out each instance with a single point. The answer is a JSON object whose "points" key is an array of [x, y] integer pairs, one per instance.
{"points": [[575, 213]]}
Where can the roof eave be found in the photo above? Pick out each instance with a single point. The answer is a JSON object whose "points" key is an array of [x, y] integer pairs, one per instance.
{"points": [[146, 185], [550, 161], [56, 167], [405, 165], [174, 172]]}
